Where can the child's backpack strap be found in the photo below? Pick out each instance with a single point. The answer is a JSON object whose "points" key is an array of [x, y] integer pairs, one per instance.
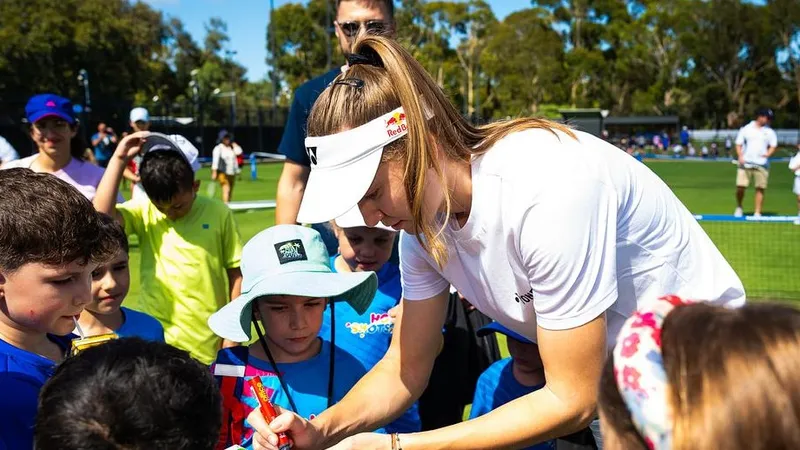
{"points": [[229, 370]]}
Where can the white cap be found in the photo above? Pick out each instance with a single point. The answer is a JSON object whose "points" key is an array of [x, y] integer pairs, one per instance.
{"points": [[139, 115], [175, 142], [347, 161]]}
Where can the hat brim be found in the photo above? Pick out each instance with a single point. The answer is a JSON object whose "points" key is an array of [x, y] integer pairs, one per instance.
{"points": [[233, 321], [332, 192], [353, 219], [495, 327], [37, 117], [158, 142]]}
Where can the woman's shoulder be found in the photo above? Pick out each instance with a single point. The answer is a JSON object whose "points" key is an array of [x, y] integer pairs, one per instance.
{"points": [[520, 150]]}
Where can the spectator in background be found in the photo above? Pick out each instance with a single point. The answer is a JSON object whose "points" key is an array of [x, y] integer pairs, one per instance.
{"points": [[728, 146], [657, 143], [225, 164], [685, 136], [794, 165], [54, 130], [714, 149], [755, 143], [139, 120], [7, 152], [103, 144], [352, 18]]}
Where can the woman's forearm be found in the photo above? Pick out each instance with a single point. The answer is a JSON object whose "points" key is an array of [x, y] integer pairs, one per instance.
{"points": [[377, 399], [397, 380], [528, 420]]}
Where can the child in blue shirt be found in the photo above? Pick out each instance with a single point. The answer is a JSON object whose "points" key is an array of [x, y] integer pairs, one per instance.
{"points": [[367, 336], [51, 239], [509, 378], [110, 283], [287, 282]]}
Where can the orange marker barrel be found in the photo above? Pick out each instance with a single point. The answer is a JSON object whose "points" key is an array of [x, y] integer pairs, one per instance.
{"points": [[268, 410]]}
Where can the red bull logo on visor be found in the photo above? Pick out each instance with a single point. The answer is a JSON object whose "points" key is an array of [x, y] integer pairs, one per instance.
{"points": [[396, 124]]}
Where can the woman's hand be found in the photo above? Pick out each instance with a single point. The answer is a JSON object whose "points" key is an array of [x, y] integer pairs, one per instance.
{"points": [[304, 434], [365, 441], [130, 146]]}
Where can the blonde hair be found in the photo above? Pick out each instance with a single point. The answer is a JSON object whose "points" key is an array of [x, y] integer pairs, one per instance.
{"points": [[733, 378], [399, 80]]}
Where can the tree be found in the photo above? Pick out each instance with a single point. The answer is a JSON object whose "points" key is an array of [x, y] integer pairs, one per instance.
{"points": [[529, 72], [300, 36], [44, 43], [784, 16], [730, 46], [469, 22]]}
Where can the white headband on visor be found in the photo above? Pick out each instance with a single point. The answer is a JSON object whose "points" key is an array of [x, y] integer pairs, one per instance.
{"points": [[343, 166]]}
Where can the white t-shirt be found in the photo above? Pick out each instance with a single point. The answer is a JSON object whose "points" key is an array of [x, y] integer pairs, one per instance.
{"points": [[561, 230], [795, 162], [223, 159], [7, 152], [755, 141]]}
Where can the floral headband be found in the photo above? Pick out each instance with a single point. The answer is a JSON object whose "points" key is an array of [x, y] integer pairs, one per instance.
{"points": [[640, 375]]}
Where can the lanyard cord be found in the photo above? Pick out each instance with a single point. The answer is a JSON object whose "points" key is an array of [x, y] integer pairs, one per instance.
{"points": [[274, 365], [333, 350]]}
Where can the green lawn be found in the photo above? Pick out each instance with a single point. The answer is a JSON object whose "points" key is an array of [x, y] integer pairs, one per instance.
{"points": [[766, 256]]}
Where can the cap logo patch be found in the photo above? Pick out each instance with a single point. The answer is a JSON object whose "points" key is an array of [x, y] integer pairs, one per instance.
{"points": [[50, 104], [312, 154], [290, 251], [396, 124]]}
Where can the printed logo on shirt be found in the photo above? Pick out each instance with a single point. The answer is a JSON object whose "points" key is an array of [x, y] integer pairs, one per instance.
{"points": [[290, 251], [524, 298], [312, 154], [378, 323], [206, 226]]}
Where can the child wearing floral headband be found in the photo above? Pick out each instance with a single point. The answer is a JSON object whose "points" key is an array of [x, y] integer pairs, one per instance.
{"points": [[676, 378]]}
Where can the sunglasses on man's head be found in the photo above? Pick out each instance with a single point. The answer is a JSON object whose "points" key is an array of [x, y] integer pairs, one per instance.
{"points": [[351, 28]]}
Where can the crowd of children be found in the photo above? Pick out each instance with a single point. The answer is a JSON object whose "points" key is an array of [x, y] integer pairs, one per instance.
{"points": [[213, 314]]}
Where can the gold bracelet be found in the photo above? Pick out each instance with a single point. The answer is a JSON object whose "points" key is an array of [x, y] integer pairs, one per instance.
{"points": [[394, 441]]}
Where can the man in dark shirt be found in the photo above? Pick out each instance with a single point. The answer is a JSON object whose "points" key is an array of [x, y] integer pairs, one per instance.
{"points": [[352, 18]]}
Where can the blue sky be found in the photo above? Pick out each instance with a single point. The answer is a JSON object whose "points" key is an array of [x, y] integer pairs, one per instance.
{"points": [[247, 23]]}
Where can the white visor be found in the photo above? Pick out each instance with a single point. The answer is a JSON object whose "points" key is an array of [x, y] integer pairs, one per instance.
{"points": [[353, 219], [343, 166]]}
